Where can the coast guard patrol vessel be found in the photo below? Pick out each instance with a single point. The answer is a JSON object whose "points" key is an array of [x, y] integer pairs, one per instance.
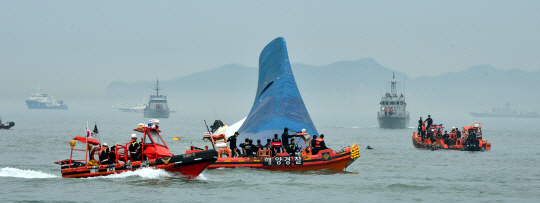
{"points": [[393, 112], [157, 105]]}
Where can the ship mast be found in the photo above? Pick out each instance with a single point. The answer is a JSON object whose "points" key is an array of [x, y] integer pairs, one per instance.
{"points": [[157, 87], [394, 91]]}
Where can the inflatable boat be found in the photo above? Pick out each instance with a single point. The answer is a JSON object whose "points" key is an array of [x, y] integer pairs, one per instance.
{"points": [[266, 159], [470, 140], [154, 153]]}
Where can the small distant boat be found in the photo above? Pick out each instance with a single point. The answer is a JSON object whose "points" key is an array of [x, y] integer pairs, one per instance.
{"points": [[7, 125], [506, 112], [138, 109], [43, 101]]}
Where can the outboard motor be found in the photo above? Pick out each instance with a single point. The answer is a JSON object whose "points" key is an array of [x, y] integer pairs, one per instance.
{"points": [[11, 124]]}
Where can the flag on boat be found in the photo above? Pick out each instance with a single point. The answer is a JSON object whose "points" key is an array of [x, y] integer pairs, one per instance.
{"points": [[95, 132], [87, 131]]}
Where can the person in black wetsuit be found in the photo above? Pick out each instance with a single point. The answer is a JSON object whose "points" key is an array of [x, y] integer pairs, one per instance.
{"points": [[112, 155], [253, 149], [458, 133], [285, 138], [276, 139], [420, 123], [313, 142], [429, 122], [243, 146], [232, 145], [292, 148], [446, 138], [104, 156]]}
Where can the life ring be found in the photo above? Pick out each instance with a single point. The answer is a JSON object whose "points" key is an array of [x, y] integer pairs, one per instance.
{"points": [[93, 152], [458, 142], [227, 152]]}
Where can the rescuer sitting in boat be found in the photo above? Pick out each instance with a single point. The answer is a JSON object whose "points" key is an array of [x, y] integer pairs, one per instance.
{"points": [[319, 144], [259, 146], [268, 146], [243, 146], [104, 155], [112, 154], [276, 144], [293, 148], [253, 150], [232, 145], [313, 142], [446, 138], [134, 148]]}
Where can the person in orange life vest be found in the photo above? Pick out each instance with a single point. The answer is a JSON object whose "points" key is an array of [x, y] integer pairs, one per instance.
{"points": [[319, 143]]}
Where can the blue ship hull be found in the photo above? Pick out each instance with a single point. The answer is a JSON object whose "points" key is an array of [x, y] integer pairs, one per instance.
{"points": [[278, 103], [40, 105]]}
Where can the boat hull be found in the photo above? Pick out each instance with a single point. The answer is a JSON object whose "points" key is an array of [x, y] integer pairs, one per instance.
{"points": [[156, 113], [40, 105], [440, 145], [393, 122], [188, 165], [325, 159]]}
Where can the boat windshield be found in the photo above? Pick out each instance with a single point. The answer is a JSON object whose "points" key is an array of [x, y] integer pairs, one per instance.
{"points": [[155, 136]]}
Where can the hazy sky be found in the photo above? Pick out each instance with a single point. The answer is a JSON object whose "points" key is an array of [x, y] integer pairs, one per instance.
{"points": [[79, 47]]}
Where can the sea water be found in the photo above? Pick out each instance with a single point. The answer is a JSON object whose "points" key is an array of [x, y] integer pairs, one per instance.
{"points": [[393, 171]]}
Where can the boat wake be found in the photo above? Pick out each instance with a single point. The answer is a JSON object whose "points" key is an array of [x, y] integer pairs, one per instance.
{"points": [[146, 173], [21, 173]]}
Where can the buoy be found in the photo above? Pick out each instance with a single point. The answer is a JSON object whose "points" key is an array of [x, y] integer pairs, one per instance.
{"points": [[72, 143], [176, 138]]}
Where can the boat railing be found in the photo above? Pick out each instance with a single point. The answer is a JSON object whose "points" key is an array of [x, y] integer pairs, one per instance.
{"points": [[392, 114]]}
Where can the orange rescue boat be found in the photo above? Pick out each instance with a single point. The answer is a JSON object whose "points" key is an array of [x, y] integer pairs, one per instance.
{"points": [[469, 140], [302, 161], [155, 154]]}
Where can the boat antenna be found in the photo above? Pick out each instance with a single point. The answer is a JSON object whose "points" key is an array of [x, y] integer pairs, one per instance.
{"points": [[208, 129], [157, 87], [216, 114]]}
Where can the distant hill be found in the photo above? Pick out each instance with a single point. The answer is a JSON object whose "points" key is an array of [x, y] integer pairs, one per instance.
{"points": [[346, 89]]}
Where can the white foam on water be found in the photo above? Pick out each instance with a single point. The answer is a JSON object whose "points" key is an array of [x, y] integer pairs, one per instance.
{"points": [[21, 173], [148, 173], [201, 177]]}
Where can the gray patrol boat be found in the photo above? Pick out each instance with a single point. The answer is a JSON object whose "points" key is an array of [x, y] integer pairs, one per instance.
{"points": [[393, 113], [157, 105]]}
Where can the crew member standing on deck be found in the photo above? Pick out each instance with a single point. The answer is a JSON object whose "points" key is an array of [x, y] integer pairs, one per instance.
{"points": [[420, 124], [429, 122], [232, 145], [285, 137], [133, 148]]}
